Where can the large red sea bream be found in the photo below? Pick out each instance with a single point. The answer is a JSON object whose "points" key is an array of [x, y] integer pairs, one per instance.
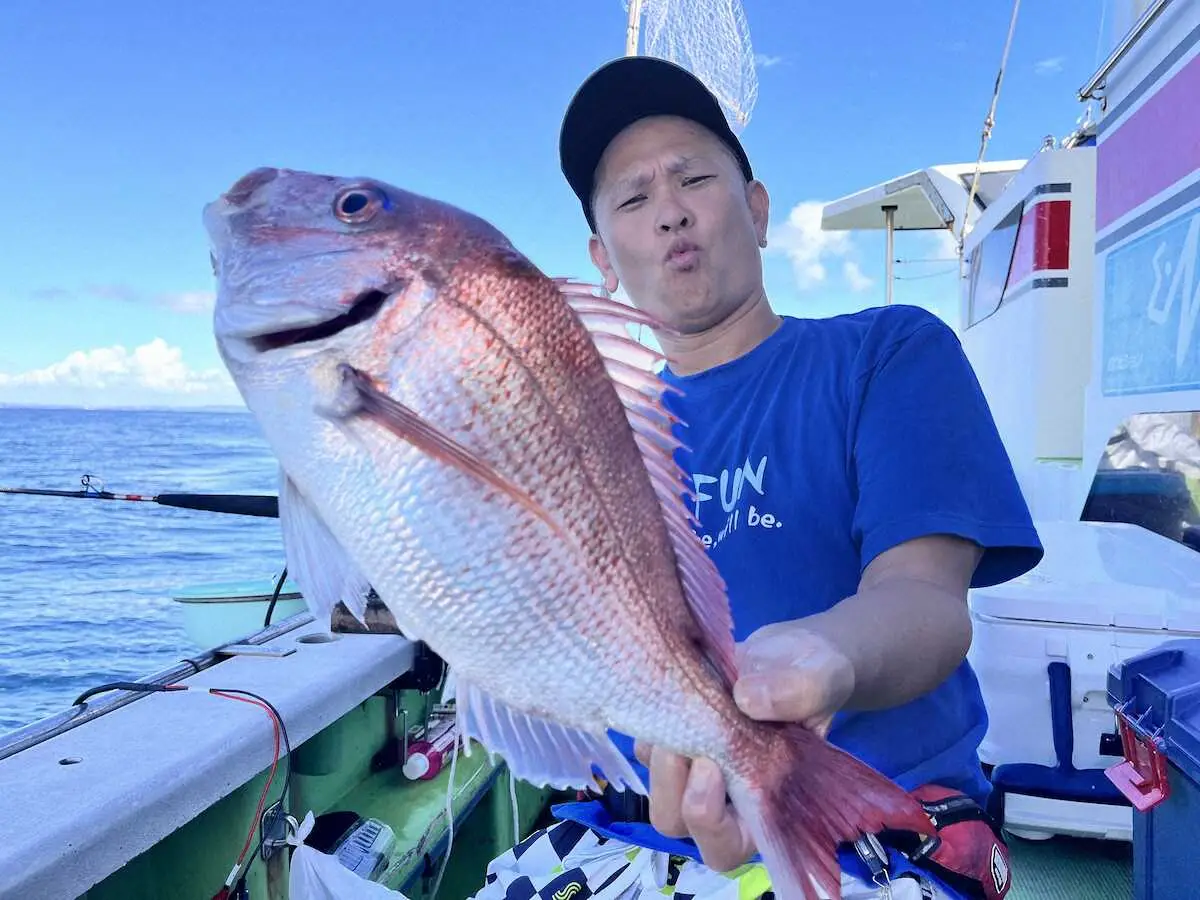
{"points": [[486, 447]]}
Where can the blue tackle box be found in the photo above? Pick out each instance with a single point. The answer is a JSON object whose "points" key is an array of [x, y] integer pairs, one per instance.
{"points": [[1156, 696]]}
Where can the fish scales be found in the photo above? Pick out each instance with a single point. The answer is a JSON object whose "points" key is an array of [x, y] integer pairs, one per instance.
{"points": [[559, 429]]}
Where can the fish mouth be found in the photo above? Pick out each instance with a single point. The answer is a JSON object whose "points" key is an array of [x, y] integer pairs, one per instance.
{"points": [[363, 307]]}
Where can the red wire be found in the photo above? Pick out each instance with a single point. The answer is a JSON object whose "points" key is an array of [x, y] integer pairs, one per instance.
{"points": [[262, 800]]}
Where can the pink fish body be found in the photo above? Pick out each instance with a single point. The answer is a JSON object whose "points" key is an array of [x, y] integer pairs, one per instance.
{"points": [[487, 448]]}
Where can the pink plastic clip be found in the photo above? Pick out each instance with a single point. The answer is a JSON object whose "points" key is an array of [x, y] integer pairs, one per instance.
{"points": [[1142, 777]]}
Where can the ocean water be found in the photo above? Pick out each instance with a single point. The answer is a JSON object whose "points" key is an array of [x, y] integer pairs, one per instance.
{"points": [[86, 585]]}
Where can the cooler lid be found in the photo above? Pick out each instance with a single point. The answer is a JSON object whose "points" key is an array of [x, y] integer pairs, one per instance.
{"points": [[1160, 689], [1084, 603], [1105, 574]]}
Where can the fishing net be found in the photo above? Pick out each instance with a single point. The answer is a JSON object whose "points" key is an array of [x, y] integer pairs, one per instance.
{"points": [[709, 38]]}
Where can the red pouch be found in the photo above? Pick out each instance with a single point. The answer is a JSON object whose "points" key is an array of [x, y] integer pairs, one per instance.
{"points": [[967, 850]]}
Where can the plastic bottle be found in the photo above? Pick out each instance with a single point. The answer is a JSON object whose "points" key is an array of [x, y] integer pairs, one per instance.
{"points": [[427, 756]]}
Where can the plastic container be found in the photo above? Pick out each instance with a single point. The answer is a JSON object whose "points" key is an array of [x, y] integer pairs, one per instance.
{"points": [[427, 756], [214, 614], [1042, 648], [1156, 696], [365, 846]]}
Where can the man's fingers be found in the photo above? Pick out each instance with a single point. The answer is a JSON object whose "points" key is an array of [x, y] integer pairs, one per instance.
{"points": [[785, 695], [711, 820], [789, 674], [668, 779], [791, 695]]}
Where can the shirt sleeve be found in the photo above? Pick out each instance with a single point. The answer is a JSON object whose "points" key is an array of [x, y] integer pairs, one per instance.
{"points": [[927, 456]]}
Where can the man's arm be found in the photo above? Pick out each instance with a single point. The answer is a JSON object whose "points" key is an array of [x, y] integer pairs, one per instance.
{"points": [[907, 627], [898, 636]]}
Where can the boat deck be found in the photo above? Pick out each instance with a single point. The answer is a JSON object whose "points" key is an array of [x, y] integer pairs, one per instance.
{"points": [[1065, 868]]}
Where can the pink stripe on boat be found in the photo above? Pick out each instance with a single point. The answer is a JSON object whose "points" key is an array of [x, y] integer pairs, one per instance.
{"points": [[1152, 149]]}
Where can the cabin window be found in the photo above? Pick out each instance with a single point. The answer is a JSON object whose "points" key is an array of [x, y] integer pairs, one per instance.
{"points": [[990, 263]]}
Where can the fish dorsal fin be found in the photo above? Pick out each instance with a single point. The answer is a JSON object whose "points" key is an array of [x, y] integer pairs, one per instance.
{"points": [[631, 366]]}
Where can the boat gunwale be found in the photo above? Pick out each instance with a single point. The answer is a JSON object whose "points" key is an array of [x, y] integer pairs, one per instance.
{"points": [[52, 726]]}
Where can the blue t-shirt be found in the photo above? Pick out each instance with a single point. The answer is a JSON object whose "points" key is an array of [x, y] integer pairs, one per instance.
{"points": [[830, 442]]}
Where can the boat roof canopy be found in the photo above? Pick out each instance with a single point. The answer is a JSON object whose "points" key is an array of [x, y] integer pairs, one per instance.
{"points": [[927, 199]]}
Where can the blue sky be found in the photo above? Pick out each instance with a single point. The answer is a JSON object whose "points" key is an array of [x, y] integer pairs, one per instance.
{"points": [[122, 119]]}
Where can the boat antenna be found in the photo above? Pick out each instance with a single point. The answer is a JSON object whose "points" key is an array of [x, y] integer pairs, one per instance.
{"points": [[633, 28], [988, 123]]}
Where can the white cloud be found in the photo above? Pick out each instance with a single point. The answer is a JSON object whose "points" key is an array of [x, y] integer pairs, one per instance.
{"points": [[153, 372], [812, 250], [766, 61], [1051, 66], [945, 245], [190, 302], [185, 302], [854, 276]]}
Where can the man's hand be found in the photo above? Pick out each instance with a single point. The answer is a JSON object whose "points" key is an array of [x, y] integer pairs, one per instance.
{"points": [[787, 674]]}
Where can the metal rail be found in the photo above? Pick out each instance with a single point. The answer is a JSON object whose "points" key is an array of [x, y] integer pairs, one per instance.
{"points": [[52, 726], [1148, 18]]}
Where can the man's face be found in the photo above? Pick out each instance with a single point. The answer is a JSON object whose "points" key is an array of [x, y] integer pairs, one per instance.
{"points": [[677, 223]]}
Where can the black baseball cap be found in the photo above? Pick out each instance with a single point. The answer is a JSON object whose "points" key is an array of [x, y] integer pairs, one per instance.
{"points": [[620, 93]]}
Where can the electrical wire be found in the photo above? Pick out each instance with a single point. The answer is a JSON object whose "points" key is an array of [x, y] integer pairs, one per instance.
{"points": [[437, 884], [276, 724], [279, 732], [940, 273]]}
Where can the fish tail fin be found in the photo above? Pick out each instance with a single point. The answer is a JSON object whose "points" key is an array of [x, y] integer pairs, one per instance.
{"points": [[803, 798]]}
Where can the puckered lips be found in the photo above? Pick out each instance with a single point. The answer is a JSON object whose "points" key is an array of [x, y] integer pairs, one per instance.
{"points": [[682, 255]]}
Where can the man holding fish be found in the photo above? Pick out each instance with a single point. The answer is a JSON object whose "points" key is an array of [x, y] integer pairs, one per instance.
{"points": [[850, 481], [753, 564]]}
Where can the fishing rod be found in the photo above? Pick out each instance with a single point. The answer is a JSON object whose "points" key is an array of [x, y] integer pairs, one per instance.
{"points": [[263, 505]]}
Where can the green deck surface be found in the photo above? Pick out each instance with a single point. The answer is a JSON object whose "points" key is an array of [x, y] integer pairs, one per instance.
{"points": [[1071, 869], [333, 771], [416, 811]]}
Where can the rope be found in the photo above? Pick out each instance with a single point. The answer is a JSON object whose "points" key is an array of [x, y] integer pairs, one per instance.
{"points": [[988, 124], [937, 274]]}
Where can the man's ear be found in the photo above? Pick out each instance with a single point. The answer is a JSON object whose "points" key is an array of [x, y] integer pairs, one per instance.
{"points": [[760, 209], [600, 260]]}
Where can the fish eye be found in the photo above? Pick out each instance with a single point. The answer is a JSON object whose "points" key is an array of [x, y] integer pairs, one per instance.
{"points": [[357, 204]]}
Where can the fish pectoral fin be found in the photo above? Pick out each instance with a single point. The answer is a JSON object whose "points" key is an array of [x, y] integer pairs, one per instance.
{"points": [[318, 563], [540, 751], [429, 439]]}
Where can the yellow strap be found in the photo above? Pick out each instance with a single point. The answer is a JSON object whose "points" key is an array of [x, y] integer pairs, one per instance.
{"points": [[753, 881]]}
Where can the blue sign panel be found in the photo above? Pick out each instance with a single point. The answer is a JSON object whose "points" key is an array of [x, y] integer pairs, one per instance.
{"points": [[1152, 310]]}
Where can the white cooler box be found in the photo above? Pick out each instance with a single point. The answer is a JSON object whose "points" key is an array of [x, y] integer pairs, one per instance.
{"points": [[1103, 593]]}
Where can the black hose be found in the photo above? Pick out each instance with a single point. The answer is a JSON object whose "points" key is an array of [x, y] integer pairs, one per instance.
{"points": [[275, 597]]}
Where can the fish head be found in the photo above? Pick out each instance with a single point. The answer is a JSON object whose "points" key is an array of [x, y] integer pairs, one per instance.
{"points": [[300, 257], [312, 266]]}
